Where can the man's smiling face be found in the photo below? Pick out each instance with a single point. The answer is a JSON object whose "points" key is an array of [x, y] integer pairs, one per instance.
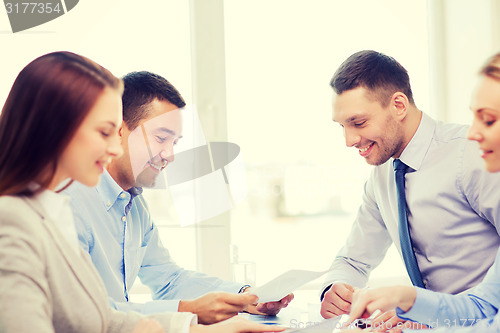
{"points": [[368, 126], [151, 144]]}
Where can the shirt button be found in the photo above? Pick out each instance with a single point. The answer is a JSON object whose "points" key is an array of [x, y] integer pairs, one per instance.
{"points": [[123, 195], [124, 218], [108, 203], [425, 282]]}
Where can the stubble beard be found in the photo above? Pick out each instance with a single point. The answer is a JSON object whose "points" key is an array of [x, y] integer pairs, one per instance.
{"points": [[389, 145]]}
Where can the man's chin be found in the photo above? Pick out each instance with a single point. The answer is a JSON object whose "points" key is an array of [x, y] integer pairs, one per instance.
{"points": [[145, 183], [147, 178], [373, 160]]}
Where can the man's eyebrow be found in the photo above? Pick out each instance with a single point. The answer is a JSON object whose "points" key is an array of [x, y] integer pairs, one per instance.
{"points": [[110, 123], [167, 130], [354, 118]]}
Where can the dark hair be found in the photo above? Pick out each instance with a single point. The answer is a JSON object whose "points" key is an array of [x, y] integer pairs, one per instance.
{"points": [[47, 103], [492, 67], [380, 74], [142, 88]]}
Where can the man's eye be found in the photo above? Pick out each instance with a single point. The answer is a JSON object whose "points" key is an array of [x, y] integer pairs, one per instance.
{"points": [[361, 123], [104, 134]]}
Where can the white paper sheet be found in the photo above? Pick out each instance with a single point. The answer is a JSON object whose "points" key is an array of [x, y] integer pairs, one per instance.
{"points": [[284, 284]]}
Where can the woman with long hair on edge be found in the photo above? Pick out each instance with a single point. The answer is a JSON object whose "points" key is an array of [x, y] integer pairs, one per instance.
{"points": [[477, 309], [60, 123]]}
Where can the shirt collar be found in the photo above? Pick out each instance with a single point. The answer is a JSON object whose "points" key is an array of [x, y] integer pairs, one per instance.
{"points": [[414, 153], [53, 203], [110, 191]]}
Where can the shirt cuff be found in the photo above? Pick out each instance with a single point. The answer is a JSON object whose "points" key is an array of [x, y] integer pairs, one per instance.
{"points": [[426, 305], [159, 306], [324, 292], [190, 321], [242, 289]]}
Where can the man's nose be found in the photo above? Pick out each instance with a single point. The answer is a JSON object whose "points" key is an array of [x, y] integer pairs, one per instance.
{"points": [[167, 153], [351, 137]]}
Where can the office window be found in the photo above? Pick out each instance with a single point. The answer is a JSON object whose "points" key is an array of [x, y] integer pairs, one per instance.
{"points": [[305, 186], [123, 36]]}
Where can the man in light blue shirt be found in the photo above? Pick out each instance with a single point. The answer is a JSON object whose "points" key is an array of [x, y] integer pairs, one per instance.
{"points": [[452, 202], [115, 226]]}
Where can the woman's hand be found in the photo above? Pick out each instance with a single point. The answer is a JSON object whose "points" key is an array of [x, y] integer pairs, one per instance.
{"points": [[367, 301]]}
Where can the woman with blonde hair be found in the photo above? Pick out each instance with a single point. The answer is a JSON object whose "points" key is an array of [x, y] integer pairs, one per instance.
{"points": [[476, 310], [60, 123]]}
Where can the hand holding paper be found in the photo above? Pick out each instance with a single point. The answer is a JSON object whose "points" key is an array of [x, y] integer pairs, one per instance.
{"points": [[284, 284]]}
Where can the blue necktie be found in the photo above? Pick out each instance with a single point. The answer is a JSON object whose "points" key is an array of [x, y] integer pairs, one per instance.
{"points": [[404, 232], [134, 191]]}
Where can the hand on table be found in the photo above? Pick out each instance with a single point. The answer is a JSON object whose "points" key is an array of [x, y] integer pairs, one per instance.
{"points": [[269, 308], [217, 306], [367, 301], [337, 300], [390, 322]]}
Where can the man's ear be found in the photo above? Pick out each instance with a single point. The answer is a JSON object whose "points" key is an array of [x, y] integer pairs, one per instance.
{"points": [[399, 105], [122, 130]]}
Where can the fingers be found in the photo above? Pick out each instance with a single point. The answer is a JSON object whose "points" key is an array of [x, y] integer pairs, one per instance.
{"points": [[273, 308], [368, 301], [337, 300], [238, 299], [270, 308], [388, 323], [287, 299], [359, 306], [384, 317], [214, 307], [231, 304], [378, 321]]}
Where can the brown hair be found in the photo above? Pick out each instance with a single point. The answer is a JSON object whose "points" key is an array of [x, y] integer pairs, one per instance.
{"points": [[48, 101], [142, 88], [492, 67], [380, 74]]}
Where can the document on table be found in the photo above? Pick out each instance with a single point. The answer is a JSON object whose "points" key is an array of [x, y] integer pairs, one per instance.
{"points": [[284, 284]]}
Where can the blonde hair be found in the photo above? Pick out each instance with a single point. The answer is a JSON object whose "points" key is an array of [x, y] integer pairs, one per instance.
{"points": [[492, 67]]}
